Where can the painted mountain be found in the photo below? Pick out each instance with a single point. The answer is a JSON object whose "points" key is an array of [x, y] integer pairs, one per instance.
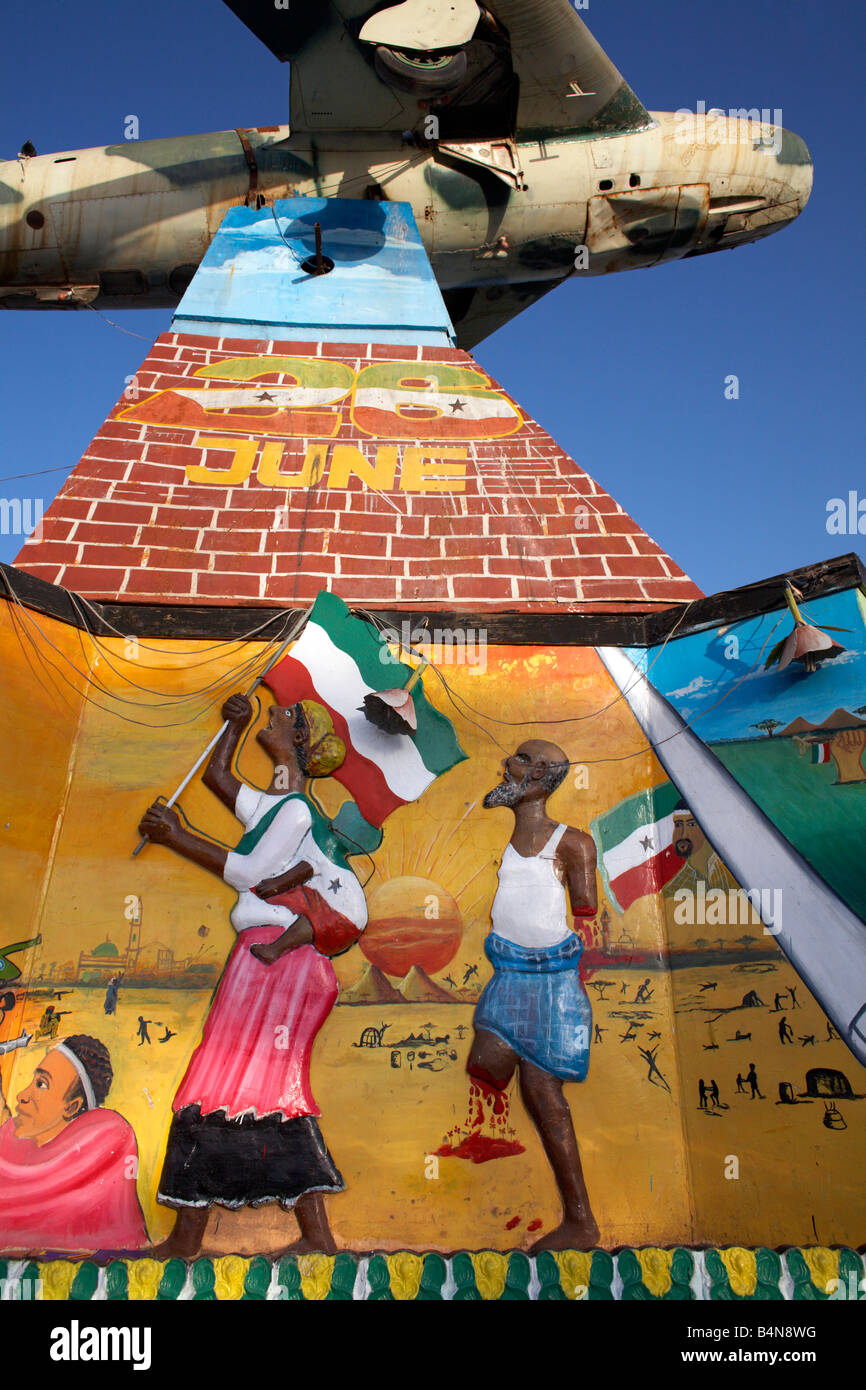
{"points": [[372, 987], [418, 988], [839, 719]]}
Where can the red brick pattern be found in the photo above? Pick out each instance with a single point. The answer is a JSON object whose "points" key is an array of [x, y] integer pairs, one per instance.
{"points": [[529, 530]]}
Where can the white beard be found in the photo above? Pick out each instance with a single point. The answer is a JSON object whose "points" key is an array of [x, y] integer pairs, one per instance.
{"points": [[506, 794]]}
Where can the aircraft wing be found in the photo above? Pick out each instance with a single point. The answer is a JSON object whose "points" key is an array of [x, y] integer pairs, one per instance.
{"points": [[476, 313], [334, 85], [567, 82], [532, 68]]}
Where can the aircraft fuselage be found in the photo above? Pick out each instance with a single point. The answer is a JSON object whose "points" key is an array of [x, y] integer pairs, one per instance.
{"points": [[125, 226]]}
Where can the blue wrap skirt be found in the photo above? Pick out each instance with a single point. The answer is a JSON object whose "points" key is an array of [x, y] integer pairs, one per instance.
{"points": [[537, 1004]]}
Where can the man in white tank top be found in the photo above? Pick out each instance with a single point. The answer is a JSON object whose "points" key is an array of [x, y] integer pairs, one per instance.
{"points": [[534, 1016]]}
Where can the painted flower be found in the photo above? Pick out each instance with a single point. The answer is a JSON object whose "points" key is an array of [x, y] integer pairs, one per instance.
{"points": [[393, 711], [807, 643]]}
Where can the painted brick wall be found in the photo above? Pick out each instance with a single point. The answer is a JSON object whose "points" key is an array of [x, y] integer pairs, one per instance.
{"points": [[520, 525]]}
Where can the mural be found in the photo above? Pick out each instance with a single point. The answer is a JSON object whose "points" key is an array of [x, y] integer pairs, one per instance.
{"points": [[793, 740], [311, 398], [439, 1097]]}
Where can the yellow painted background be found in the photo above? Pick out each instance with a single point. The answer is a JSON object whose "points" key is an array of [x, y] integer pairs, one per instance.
{"points": [[77, 779]]}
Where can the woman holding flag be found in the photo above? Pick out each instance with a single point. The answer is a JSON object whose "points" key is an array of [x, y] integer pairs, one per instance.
{"points": [[244, 1130]]}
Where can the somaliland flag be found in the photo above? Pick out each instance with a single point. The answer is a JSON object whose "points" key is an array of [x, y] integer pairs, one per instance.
{"points": [[634, 845], [338, 660]]}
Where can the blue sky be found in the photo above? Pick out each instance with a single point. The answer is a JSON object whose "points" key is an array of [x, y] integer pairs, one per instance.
{"points": [[627, 371]]}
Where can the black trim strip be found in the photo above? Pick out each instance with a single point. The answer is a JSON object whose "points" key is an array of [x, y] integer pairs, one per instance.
{"points": [[503, 628]]}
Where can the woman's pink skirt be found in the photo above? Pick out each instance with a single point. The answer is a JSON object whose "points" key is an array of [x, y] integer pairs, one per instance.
{"points": [[254, 1056]]}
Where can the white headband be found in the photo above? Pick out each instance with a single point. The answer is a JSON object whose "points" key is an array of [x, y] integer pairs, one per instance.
{"points": [[79, 1066]]}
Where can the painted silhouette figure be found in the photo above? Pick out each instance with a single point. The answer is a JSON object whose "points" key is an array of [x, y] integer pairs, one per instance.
{"points": [[643, 993], [598, 1033], [49, 1023], [786, 1032], [752, 1081], [833, 1117], [778, 1002], [534, 1017], [713, 1093], [142, 1033], [702, 1092], [110, 1005], [792, 990], [649, 1055], [741, 1087]]}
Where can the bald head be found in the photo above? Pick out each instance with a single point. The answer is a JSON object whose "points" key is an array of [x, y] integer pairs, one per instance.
{"points": [[531, 773], [539, 748]]}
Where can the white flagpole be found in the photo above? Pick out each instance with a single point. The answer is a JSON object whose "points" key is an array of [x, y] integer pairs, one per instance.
{"points": [[823, 939], [218, 735]]}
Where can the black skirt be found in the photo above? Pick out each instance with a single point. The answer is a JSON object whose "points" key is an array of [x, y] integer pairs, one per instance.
{"points": [[245, 1161]]}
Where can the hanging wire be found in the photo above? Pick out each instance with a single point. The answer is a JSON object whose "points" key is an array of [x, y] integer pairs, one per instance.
{"points": [[287, 613], [166, 696], [649, 747], [284, 239], [89, 678], [25, 648], [37, 473], [593, 714], [342, 834], [128, 331], [206, 835], [454, 696], [384, 174]]}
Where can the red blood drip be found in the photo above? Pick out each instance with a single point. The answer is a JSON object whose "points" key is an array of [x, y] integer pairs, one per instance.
{"points": [[515, 1221], [470, 1142], [535, 1225], [478, 1148]]}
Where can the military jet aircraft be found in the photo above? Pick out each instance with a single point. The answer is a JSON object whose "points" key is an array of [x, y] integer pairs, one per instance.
{"points": [[525, 155]]}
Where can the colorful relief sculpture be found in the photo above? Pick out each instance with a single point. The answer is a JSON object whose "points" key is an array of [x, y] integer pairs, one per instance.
{"points": [[818, 931], [244, 1128], [286, 451], [699, 1017], [534, 1017], [244, 1119]]}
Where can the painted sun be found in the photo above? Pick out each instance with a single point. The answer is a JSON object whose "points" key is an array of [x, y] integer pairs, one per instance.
{"points": [[413, 918]]}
